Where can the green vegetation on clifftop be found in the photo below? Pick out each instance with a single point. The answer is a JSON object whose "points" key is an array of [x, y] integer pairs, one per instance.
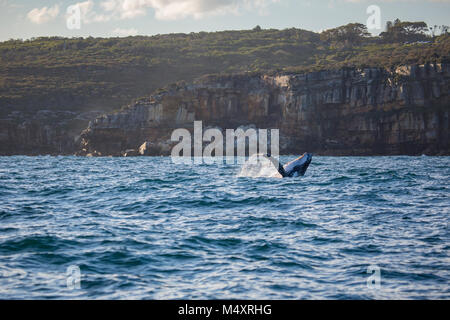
{"points": [[103, 74]]}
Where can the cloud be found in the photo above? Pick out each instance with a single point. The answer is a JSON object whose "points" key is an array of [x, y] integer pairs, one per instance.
{"points": [[362, 1], [107, 10], [88, 14], [179, 9], [43, 15], [111, 10], [125, 9], [125, 32]]}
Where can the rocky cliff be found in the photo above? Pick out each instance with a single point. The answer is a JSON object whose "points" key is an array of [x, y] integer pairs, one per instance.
{"points": [[346, 112], [44, 132]]}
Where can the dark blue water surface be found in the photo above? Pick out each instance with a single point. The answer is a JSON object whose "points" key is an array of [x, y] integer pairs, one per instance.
{"points": [[144, 228]]}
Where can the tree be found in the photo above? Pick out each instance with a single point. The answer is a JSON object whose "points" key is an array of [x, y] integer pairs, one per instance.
{"points": [[443, 29], [389, 26], [404, 31], [350, 34]]}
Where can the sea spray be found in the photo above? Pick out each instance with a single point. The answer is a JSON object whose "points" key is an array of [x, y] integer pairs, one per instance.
{"points": [[258, 166]]}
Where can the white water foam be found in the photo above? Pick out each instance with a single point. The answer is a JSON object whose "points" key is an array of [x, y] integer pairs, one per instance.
{"points": [[258, 166]]}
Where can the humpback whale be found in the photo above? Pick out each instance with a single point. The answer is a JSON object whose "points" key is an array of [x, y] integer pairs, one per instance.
{"points": [[295, 168]]}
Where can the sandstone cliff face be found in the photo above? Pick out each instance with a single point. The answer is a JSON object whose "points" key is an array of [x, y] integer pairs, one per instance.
{"points": [[44, 132], [345, 112]]}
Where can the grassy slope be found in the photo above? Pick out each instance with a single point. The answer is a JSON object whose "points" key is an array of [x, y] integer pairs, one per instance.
{"points": [[104, 74]]}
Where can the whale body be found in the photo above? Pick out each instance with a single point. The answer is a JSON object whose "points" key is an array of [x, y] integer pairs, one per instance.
{"points": [[295, 168]]}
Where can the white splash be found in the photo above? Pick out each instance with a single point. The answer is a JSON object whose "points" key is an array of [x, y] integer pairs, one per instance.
{"points": [[258, 166]]}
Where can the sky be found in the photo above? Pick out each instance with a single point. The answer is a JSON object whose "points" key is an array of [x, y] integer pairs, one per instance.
{"points": [[24, 19]]}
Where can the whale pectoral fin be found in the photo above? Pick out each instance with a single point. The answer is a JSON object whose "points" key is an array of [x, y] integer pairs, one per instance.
{"points": [[277, 165], [281, 170], [301, 170]]}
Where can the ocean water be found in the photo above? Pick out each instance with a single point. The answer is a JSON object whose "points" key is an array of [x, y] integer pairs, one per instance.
{"points": [[145, 228]]}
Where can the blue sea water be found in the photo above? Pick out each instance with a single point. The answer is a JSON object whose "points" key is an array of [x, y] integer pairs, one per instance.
{"points": [[145, 228]]}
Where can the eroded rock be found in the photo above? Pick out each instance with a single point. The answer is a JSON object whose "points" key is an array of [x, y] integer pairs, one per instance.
{"points": [[347, 111]]}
